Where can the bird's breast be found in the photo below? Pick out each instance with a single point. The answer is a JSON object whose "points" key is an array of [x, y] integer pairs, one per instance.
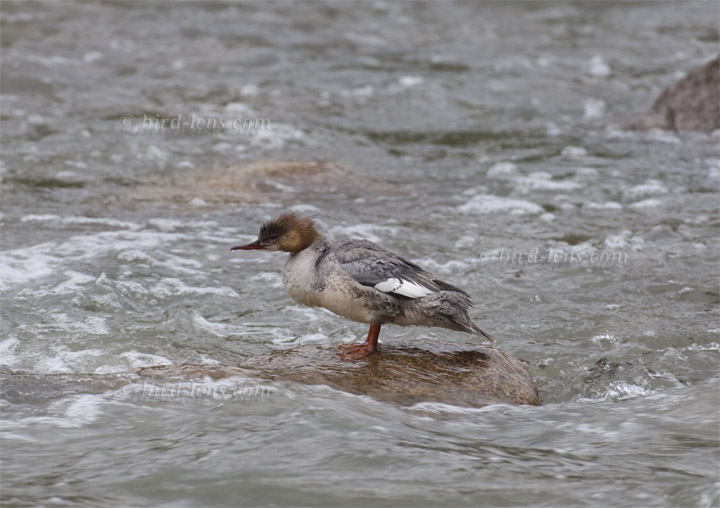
{"points": [[326, 288], [302, 280]]}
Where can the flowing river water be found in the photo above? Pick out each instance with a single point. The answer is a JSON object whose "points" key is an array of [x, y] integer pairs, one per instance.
{"points": [[480, 140]]}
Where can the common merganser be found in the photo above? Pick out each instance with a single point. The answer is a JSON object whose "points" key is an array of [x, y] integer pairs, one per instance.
{"points": [[361, 281]]}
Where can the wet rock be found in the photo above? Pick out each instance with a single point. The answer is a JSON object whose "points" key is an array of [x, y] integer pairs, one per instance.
{"points": [[457, 374], [691, 104], [259, 182]]}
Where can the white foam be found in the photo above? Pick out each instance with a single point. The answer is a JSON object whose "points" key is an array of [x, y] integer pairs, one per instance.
{"points": [[238, 107], [136, 360], [623, 241], [72, 285], [270, 279], [170, 286], [594, 108], [453, 266], [82, 410], [409, 81], [68, 176], [608, 205], [71, 412], [206, 360], [567, 207], [360, 92], [553, 130], [574, 152], [645, 190], [486, 203], [440, 407], [622, 390], [308, 313], [313, 338], [179, 263], [92, 325], [221, 147], [363, 231], [305, 208], [129, 361], [23, 265], [48, 217], [583, 252], [465, 241], [502, 171], [166, 225], [8, 348], [598, 339], [475, 190], [249, 90], [156, 154], [275, 136], [589, 172], [663, 136], [20, 266], [613, 131], [598, 67], [713, 346], [172, 262], [646, 203], [92, 57], [218, 329], [542, 181], [52, 365], [134, 256], [63, 360]]}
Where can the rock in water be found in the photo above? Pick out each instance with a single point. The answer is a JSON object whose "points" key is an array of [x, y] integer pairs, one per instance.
{"points": [[458, 374], [257, 182], [691, 104]]}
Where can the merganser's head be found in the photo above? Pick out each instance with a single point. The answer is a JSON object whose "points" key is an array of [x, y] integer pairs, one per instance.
{"points": [[288, 233]]}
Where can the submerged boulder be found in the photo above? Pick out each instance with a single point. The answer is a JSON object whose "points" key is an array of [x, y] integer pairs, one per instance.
{"points": [[691, 104], [458, 374], [258, 182]]}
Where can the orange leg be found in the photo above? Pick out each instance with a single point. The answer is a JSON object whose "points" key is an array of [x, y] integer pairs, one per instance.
{"points": [[355, 351]]}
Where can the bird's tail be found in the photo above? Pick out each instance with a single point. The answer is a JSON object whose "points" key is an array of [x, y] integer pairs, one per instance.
{"points": [[472, 328], [449, 309], [457, 312]]}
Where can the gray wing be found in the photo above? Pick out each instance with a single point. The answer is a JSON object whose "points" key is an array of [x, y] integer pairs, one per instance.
{"points": [[371, 265]]}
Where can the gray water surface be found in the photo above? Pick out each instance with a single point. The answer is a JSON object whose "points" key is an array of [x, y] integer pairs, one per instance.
{"points": [[491, 132]]}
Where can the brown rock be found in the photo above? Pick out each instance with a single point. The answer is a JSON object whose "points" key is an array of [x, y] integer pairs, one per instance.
{"points": [[259, 182], [691, 104], [457, 374]]}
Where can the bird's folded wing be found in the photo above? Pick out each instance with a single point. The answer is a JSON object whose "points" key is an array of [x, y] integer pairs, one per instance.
{"points": [[371, 265]]}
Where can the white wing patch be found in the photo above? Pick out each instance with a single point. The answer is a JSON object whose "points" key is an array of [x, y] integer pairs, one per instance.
{"points": [[403, 287]]}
